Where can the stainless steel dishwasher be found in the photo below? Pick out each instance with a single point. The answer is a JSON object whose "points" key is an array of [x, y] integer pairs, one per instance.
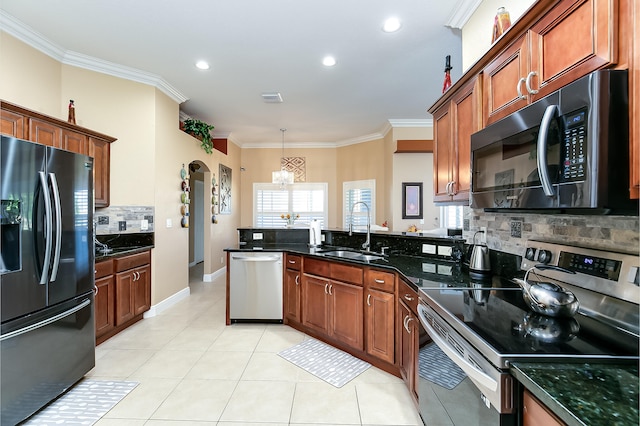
{"points": [[255, 287]]}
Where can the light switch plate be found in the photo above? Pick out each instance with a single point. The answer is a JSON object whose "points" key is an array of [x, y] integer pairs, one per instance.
{"points": [[144, 224], [169, 223]]}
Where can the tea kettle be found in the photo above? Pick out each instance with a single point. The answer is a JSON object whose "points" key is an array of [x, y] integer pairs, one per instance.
{"points": [[547, 298], [479, 263]]}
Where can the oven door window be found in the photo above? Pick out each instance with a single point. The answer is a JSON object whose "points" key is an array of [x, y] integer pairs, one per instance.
{"points": [[512, 162]]}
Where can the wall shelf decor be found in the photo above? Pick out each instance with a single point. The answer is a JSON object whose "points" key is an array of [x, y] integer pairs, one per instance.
{"points": [[184, 198]]}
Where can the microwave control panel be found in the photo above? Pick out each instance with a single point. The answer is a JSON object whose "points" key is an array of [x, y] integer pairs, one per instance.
{"points": [[575, 135]]}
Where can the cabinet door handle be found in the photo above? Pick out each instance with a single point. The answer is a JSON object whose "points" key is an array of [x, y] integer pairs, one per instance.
{"points": [[369, 299], [330, 288], [95, 291], [326, 287], [404, 321], [448, 190], [527, 83], [379, 281], [297, 279], [134, 275], [453, 191], [519, 88], [406, 325], [408, 297]]}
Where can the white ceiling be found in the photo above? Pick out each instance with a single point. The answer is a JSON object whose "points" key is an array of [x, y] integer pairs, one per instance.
{"points": [[257, 46]]}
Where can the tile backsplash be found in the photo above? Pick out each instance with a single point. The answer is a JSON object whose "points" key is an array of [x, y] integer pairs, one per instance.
{"points": [[508, 232], [124, 219]]}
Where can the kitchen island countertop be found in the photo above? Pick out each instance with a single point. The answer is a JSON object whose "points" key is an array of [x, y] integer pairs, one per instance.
{"points": [[584, 394]]}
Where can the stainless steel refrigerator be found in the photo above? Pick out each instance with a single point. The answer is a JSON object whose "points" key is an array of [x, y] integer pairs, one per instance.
{"points": [[47, 334]]}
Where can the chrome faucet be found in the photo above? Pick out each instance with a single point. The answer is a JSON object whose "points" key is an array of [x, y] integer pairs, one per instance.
{"points": [[367, 243]]}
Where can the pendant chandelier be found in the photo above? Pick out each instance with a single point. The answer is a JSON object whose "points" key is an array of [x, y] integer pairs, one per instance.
{"points": [[282, 177]]}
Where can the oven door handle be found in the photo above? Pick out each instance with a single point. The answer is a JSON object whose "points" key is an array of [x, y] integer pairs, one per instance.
{"points": [[470, 370]]}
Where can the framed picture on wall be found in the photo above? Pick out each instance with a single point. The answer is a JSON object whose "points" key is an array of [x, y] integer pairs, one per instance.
{"points": [[225, 189], [412, 200]]}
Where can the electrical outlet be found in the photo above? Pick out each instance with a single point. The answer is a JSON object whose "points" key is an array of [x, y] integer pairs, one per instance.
{"points": [[144, 224], [429, 248], [122, 225], [516, 229], [444, 250], [221, 259], [257, 235]]}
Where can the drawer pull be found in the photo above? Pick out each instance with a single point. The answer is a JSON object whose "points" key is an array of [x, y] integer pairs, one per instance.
{"points": [[292, 262], [409, 297], [379, 281]]}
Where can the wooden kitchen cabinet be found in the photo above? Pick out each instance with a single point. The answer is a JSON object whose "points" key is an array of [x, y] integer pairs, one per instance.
{"points": [[331, 307], [534, 413], [35, 127], [572, 39], [292, 281], [633, 17], [454, 122], [123, 293], [104, 301], [409, 338], [379, 314]]}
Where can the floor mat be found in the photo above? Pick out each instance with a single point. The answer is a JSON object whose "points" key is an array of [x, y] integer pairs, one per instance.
{"points": [[325, 362], [438, 368], [83, 404]]}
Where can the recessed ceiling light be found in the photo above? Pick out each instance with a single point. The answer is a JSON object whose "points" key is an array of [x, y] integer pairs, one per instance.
{"points": [[203, 65], [328, 61], [391, 25]]}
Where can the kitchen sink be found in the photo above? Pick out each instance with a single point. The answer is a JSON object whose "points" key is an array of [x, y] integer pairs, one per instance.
{"points": [[354, 255]]}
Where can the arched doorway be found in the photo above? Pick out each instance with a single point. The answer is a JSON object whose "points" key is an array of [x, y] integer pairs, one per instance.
{"points": [[199, 220]]}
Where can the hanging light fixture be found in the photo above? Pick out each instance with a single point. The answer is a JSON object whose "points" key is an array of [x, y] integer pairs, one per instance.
{"points": [[282, 176]]}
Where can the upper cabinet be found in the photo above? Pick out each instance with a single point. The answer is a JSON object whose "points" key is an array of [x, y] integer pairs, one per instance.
{"points": [[553, 44], [35, 127], [453, 123], [572, 39]]}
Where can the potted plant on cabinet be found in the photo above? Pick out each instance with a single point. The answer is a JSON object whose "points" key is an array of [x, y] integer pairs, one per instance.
{"points": [[201, 131]]}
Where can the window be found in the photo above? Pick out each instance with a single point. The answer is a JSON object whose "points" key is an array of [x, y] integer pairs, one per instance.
{"points": [[309, 200], [354, 192], [451, 217]]}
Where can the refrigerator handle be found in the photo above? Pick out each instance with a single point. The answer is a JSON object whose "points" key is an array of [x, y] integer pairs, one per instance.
{"points": [[44, 276], [58, 207]]}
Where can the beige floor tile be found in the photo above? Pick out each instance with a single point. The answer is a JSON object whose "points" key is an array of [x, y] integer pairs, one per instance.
{"points": [[194, 339], [197, 400], [271, 366], [180, 423], [145, 338], [278, 338], [119, 422], [375, 375], [254, 401], [167, 364], [120, 363], [238, 338], [144, 400], [251, 424], [220, 365], [390, 404], [324, 403]]}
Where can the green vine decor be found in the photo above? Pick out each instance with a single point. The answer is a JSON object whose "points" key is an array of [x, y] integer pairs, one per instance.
{"points": [[200, 130]]}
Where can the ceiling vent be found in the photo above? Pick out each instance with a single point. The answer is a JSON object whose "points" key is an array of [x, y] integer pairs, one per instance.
{"points": [[272, 97]]}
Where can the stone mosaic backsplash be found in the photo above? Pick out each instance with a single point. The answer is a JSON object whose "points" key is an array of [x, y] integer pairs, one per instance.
{"points": [[509, 231], [124, 220]]}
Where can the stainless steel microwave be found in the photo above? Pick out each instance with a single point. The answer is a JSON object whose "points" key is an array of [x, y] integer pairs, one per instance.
{"points": [[569, 151]]}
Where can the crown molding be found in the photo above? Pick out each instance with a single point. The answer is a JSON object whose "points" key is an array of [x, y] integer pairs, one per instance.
{"points": [[423, 122], [27, 35], [461, 13]]}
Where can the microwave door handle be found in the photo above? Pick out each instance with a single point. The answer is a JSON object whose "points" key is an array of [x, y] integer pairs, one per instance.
{"points": [[543, 169]]}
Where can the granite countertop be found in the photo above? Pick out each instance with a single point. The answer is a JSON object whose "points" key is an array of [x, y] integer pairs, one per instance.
{"points": [[124, 244], [584, 394], [411, 267]]}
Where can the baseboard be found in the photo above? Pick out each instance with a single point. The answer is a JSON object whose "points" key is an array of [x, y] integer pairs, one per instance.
{"points": [[167, 303], [210, 277]]}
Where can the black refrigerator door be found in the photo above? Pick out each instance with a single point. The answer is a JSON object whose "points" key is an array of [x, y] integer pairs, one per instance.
{"points": [[22, 261], [70, 180]]}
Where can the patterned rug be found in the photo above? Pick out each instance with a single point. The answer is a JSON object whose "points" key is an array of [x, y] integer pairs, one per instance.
{"points": [[325, 362], [83, 404], [436, 367]]}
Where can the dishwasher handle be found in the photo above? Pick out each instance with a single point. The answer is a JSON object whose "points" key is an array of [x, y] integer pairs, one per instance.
{"points": [[256, 258]]}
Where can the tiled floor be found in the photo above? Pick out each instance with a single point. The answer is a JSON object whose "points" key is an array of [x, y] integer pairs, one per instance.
{"points": [[194, 370]]}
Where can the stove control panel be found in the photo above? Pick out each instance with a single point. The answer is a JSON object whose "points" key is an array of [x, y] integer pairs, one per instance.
{"points": [[613, 273]]}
